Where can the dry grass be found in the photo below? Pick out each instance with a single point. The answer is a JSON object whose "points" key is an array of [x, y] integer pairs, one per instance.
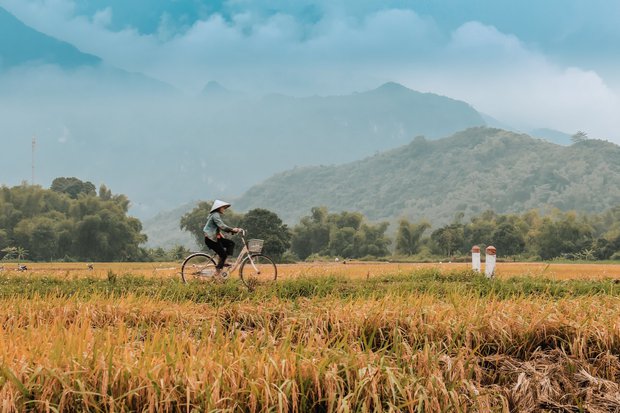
{"points": [[554, 271], [404, 352], [418, 353]]}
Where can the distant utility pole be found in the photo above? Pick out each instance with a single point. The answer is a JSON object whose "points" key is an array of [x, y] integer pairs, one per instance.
{"points": [[34, 144]]}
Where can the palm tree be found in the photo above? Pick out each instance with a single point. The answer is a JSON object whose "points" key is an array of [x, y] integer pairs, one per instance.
{"points": [[9, 253], [580, 136], [21, 254], [18, 253]]}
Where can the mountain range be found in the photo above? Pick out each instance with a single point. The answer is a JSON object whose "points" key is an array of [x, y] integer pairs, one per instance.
{"points": [[20, 44], [162, 148], [468, 172]]}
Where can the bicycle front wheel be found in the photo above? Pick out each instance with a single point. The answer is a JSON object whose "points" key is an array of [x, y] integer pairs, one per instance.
{"points": [[198, 265], [258, 269]]}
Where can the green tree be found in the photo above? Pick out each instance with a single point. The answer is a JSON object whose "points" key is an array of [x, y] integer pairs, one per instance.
{"points": [[579, 136], [508, 239], [73, 187], [562, 234], [55, 224], [39, 235], [21, 254], [179, 252], [312, 234], [448, 239], [266, 225], [9, 253], [371, 240], [342, 234], [346, 219], [4, 239], [480, 230], [105, 193], [409, 235], [18, 253], [605, 248]]}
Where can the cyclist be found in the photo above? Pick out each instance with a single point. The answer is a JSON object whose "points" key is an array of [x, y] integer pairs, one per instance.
{"points": [[214, 239]]}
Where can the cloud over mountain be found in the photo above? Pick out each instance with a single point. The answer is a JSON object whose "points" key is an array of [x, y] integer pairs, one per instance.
{"points": [[336, 47]]}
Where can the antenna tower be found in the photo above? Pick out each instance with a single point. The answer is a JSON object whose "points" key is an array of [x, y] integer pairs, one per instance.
{"points": [[34, 144]]}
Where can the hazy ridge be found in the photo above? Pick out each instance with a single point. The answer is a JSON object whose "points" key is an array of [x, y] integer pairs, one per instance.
{"points": [[469, 172]]}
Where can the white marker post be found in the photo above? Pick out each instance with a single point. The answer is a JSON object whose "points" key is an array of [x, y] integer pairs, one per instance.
{"points": [[475, 258], [489, 266]]}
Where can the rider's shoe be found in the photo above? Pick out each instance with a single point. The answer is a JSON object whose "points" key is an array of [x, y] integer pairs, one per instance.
{"points": [[220, 276]]}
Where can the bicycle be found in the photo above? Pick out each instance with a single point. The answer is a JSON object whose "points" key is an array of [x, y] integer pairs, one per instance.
{"points": [[254, 266]]}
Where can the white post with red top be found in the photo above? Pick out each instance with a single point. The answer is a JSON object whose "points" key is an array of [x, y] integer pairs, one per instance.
{"points": [[489, 266], [475, 258]]}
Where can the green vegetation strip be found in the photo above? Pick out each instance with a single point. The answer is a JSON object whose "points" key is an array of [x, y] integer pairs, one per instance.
{"points": [[420, 282]]}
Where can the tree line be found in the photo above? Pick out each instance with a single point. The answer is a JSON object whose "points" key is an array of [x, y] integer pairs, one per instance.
{"points": [[72, 220], [345, 234], [530, 235], [69, 221]]}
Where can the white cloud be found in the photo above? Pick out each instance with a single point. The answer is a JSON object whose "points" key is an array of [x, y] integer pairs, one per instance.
{"points": [[103, 18], [500, 76], [496, 72]]}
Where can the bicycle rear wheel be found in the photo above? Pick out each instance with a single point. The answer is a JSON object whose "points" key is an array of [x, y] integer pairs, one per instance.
{"points": [[260, 270], [198, 265]]}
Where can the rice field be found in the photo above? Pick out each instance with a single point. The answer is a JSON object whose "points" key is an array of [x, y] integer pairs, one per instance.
{"points": [[327, 337], [352, 269]]}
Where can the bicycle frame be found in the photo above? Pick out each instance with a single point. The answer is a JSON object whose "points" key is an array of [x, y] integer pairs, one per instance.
{"points": [[245, 252]]}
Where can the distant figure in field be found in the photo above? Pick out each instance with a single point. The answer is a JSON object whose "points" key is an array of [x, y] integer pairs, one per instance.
{"points": [[213, 234], [22, 268], [91, 267]]}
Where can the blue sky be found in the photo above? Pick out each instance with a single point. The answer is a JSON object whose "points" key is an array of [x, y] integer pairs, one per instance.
{"points": [[550, 63]]}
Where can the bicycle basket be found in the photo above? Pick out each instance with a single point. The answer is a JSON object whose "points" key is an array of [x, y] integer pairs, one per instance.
{"points": [[255, 245]]}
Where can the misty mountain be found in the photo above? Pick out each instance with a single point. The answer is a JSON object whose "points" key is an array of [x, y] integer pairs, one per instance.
{"points": [[469, 172], [163, 150], [163, 229], [39, 60], [20, 44]]}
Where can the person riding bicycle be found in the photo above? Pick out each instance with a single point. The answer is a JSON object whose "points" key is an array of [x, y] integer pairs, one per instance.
{"points": [[213, 234]]}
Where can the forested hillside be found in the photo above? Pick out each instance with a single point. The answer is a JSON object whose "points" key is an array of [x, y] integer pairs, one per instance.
{"points": [[470, 172], [211, 146]]}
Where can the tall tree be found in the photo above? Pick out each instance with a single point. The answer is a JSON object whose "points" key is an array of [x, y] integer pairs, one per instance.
{"points": [[448, 239], [562, 234], [409, 235], [266, 225], [342, 234], [72, 186], [508, 239], [579, 136], [312, 234]]}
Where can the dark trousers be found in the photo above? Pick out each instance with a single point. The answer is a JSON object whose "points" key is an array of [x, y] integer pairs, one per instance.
{"points": [[223, 248]]}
